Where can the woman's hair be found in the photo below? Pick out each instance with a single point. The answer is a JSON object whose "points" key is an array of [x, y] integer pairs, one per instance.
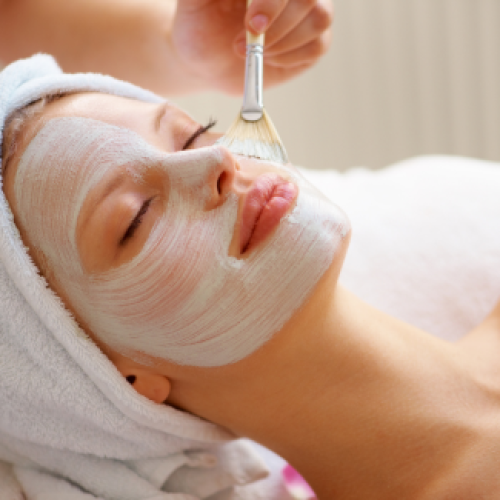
{"points": [[16, 125]]}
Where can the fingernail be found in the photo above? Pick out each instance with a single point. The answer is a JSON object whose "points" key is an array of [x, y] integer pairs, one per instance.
{"points": [[259, 23]]}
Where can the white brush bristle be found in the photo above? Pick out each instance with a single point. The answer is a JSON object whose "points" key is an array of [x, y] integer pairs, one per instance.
{"points": [[258, 139]]}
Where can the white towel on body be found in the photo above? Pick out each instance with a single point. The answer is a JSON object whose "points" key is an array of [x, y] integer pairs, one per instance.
{"points": [[72, 427], [425, 243]]}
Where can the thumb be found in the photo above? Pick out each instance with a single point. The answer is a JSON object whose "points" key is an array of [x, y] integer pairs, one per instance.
{"points": [[262, 13]]}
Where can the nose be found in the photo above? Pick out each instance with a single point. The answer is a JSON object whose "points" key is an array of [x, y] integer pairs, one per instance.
{"points": [[221, 178]]}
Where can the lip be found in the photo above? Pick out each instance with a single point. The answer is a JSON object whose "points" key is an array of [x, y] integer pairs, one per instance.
{"points": [[269, 199]]}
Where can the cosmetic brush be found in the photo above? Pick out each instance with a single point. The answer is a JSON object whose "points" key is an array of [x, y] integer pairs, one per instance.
{"points": [[253, 132]]}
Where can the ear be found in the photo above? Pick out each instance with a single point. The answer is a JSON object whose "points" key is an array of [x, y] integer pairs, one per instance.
{"points": [[145, 380]]}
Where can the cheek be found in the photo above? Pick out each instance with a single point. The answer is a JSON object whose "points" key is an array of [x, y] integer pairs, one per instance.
{"points": [[168, 271], [167, 279]]}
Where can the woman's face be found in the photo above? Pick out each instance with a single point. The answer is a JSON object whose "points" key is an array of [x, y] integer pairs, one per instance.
{"points": [[162, 242]]}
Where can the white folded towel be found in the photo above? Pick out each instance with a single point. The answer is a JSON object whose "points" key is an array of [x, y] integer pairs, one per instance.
{"points": [[71, 425]]}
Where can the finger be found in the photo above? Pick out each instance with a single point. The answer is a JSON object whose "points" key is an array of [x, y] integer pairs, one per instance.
{"points": [[306, 54], [299, 23], [262, 13], [293, 14], [240, 45], [318, 21]]}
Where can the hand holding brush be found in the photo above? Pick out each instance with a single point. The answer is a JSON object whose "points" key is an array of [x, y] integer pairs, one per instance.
{"points": [[253, 133]]}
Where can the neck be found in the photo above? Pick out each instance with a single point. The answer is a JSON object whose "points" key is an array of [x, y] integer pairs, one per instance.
{"points": [[362, 405]]}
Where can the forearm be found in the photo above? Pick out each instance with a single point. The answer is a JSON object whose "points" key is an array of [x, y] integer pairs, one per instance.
{"points": [[124, 38]]}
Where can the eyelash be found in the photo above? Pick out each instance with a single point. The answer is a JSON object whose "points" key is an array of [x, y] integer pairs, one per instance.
{"points": [[136, 222], [201, 130], [145, 206]]}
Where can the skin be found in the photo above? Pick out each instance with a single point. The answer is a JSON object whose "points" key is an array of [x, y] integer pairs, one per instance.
{"points": [[363, 405], [169, 47]]}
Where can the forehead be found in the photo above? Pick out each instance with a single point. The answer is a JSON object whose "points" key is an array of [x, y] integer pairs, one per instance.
{"points": [[159, 124], [132, 114], [115, 110], [119, 111]]}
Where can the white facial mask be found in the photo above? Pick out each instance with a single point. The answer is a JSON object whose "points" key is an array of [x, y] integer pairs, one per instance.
{"points": [[181, 298]]}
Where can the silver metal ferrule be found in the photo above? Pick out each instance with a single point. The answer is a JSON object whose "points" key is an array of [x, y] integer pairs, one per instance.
{"points": [[253, 106]]}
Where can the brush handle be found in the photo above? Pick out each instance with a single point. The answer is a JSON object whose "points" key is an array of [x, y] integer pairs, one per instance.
{"points": [[251, 38], [253, 105]]}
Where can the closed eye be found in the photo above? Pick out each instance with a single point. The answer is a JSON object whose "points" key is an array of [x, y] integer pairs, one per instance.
{"points": [[201, 130], [136, 222]]}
